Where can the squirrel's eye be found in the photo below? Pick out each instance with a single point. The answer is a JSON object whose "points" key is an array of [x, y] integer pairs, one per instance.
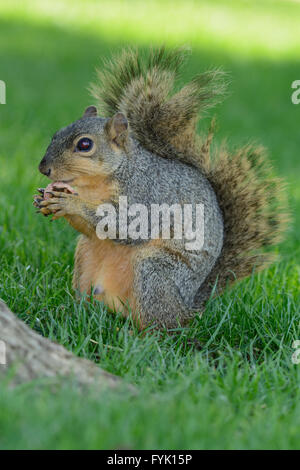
{"points": [[84, 145]]}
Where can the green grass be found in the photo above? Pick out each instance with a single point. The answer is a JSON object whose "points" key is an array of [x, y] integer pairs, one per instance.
{"points": [[227, 381]]}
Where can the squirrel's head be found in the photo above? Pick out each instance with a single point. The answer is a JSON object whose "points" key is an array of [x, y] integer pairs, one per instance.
{"points": [[90, 146]]}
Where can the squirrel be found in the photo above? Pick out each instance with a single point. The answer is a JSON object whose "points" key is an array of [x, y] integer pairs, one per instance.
{"points": [[147, 148]]}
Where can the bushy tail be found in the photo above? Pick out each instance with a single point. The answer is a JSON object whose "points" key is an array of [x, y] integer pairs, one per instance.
{"points": [[141, 88], [254, 209], [251, 198]]}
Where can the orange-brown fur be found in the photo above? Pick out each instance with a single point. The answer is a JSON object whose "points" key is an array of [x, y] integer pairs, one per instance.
{"points": [[103, 263], [93, 189]]}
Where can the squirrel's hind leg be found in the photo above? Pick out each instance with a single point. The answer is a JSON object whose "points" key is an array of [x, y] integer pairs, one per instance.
{"points": [[165, 286]]}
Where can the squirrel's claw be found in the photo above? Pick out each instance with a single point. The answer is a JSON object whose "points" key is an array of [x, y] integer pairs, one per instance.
{"points": [[40, 210], [36, 202]]}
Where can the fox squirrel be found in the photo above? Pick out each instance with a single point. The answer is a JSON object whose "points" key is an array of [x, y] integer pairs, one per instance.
{"points": [[147, 149]]}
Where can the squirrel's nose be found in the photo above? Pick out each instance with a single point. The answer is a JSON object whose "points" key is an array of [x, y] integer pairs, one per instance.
{"points": [[44, 168], [45, 171]]}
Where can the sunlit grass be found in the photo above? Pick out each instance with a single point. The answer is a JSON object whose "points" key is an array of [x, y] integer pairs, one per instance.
{"points": [[260, 28]]}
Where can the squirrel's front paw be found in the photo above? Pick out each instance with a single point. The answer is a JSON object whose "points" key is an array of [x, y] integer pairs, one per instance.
{"points": [[61, 204], [37, 200]]}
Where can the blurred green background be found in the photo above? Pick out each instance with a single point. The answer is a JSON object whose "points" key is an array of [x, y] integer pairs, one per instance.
{"points": [[48, 54]]}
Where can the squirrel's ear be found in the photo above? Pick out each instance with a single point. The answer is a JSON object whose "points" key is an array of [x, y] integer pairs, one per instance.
{"points": [[90, 111], [117, 129]]}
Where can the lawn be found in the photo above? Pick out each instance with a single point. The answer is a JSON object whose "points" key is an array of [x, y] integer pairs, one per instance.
{"points": [[227, 381]]}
